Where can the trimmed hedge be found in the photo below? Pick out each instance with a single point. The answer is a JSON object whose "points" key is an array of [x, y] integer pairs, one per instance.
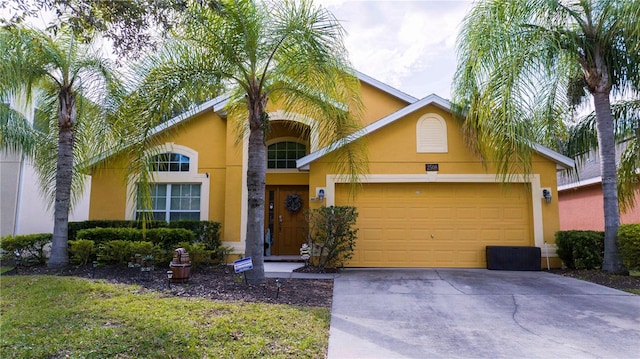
{"points": [[629, 245], [75, 227], [117, 245], [169, 238], [103, 235], [580, 249], [207, 232], [29, 246], [166, 238]]}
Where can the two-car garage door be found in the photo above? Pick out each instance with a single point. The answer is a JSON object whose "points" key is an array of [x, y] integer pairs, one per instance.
{"points": [[437, 224]]}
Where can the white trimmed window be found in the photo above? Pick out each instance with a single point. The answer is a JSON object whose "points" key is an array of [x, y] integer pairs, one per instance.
{"points": [[173, 202], [431, 131], [283, 155], [170, 162], [178, 191]]}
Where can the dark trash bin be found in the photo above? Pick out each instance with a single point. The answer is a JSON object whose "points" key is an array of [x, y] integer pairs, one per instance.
{"points": [[513, 258]]}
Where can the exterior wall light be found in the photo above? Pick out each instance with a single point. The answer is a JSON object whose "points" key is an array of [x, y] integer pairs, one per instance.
{"points": [[321, 195], [546, 193]]}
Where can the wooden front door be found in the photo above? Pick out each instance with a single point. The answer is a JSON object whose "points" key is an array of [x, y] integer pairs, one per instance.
{"points": [[286, 229]]}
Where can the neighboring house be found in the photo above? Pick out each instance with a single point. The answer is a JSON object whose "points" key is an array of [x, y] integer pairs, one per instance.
{"points": [[23, 209], [427, 201], [580, 198]]}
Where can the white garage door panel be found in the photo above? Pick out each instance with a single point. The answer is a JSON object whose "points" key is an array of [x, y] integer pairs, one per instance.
{"points": [[437, 224]]}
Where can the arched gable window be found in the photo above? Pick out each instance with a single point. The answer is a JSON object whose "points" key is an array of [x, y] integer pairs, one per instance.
{"points": [[431, 132], [283, 155], [169, 162]]}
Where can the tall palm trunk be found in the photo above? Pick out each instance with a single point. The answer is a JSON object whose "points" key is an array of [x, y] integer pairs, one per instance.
{"points": [[606, 143], [59, 256], [256, 182]]}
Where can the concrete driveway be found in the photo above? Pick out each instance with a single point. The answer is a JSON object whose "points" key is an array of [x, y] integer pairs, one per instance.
{"points": [[477, 313]]}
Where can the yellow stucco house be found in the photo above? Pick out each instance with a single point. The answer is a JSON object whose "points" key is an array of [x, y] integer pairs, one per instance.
{"points": [[426, 201]]}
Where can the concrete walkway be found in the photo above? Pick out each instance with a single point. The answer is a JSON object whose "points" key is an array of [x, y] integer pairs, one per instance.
{"points": [[477, 313], [286, 270]]}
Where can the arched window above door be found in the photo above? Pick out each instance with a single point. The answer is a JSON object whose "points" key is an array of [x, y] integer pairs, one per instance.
{"points": [[169, 162], [283, 154]]}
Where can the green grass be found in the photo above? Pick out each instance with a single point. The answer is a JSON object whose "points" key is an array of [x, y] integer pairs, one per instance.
{"points": [[5, 269], [50, 316]]}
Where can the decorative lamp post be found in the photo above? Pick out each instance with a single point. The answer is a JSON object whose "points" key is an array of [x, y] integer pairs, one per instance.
{"points": [[17, 260], [95, 265], [279, 285], [169, 276]]}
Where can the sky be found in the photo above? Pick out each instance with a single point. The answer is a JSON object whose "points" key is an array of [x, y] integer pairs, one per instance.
{"points": [[409, 45]]}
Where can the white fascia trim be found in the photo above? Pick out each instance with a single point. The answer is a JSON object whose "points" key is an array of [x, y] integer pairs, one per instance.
{"points": [[533, 179], [561, 160], [558, 158], [431, 99], [217, 104], [386, 88], [579, 184]]}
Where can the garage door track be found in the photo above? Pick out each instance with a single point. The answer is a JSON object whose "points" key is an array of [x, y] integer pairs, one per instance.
{"points": [[477, 313]]}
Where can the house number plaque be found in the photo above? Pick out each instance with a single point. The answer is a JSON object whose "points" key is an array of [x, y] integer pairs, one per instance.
{"points": [[431, 167]]}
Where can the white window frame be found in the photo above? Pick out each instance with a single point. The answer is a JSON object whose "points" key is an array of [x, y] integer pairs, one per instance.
{"points": [[168, 197], [285, 139], [191, 177]]}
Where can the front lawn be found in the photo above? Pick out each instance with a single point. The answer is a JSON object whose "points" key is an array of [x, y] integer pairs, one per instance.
{"points": [[57, 317]]}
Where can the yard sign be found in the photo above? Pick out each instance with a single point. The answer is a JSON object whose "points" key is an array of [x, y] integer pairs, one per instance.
{"points": [[242, 265]]}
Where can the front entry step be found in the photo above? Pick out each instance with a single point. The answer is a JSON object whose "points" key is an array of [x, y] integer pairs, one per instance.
{"points": [[283, 258]]}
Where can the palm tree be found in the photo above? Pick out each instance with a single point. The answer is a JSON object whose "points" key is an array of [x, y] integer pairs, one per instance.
{"points": [[583, 138], [525, 64], [289, 53], [69, 84]]}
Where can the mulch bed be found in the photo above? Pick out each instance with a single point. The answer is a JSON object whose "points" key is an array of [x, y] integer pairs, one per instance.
{"points": [[215, 282], [221, 283], [621, 282]]}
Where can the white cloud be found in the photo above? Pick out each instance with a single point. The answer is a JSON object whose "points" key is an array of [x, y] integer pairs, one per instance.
{"points": [[407, 44]]}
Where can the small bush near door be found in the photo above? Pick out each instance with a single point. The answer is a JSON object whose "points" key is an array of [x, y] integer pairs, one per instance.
{"points": [[629, 245], [332, 235], [580, 249]]}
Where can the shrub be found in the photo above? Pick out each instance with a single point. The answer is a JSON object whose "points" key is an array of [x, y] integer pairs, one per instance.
{"points": [[81, 251], [169, 238], [115, 252], [75, 227], [629, 245], [102, 235], [332, 234], [143, 248], [580, 249], [207, 232], [29, 246], [121, 252]]}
